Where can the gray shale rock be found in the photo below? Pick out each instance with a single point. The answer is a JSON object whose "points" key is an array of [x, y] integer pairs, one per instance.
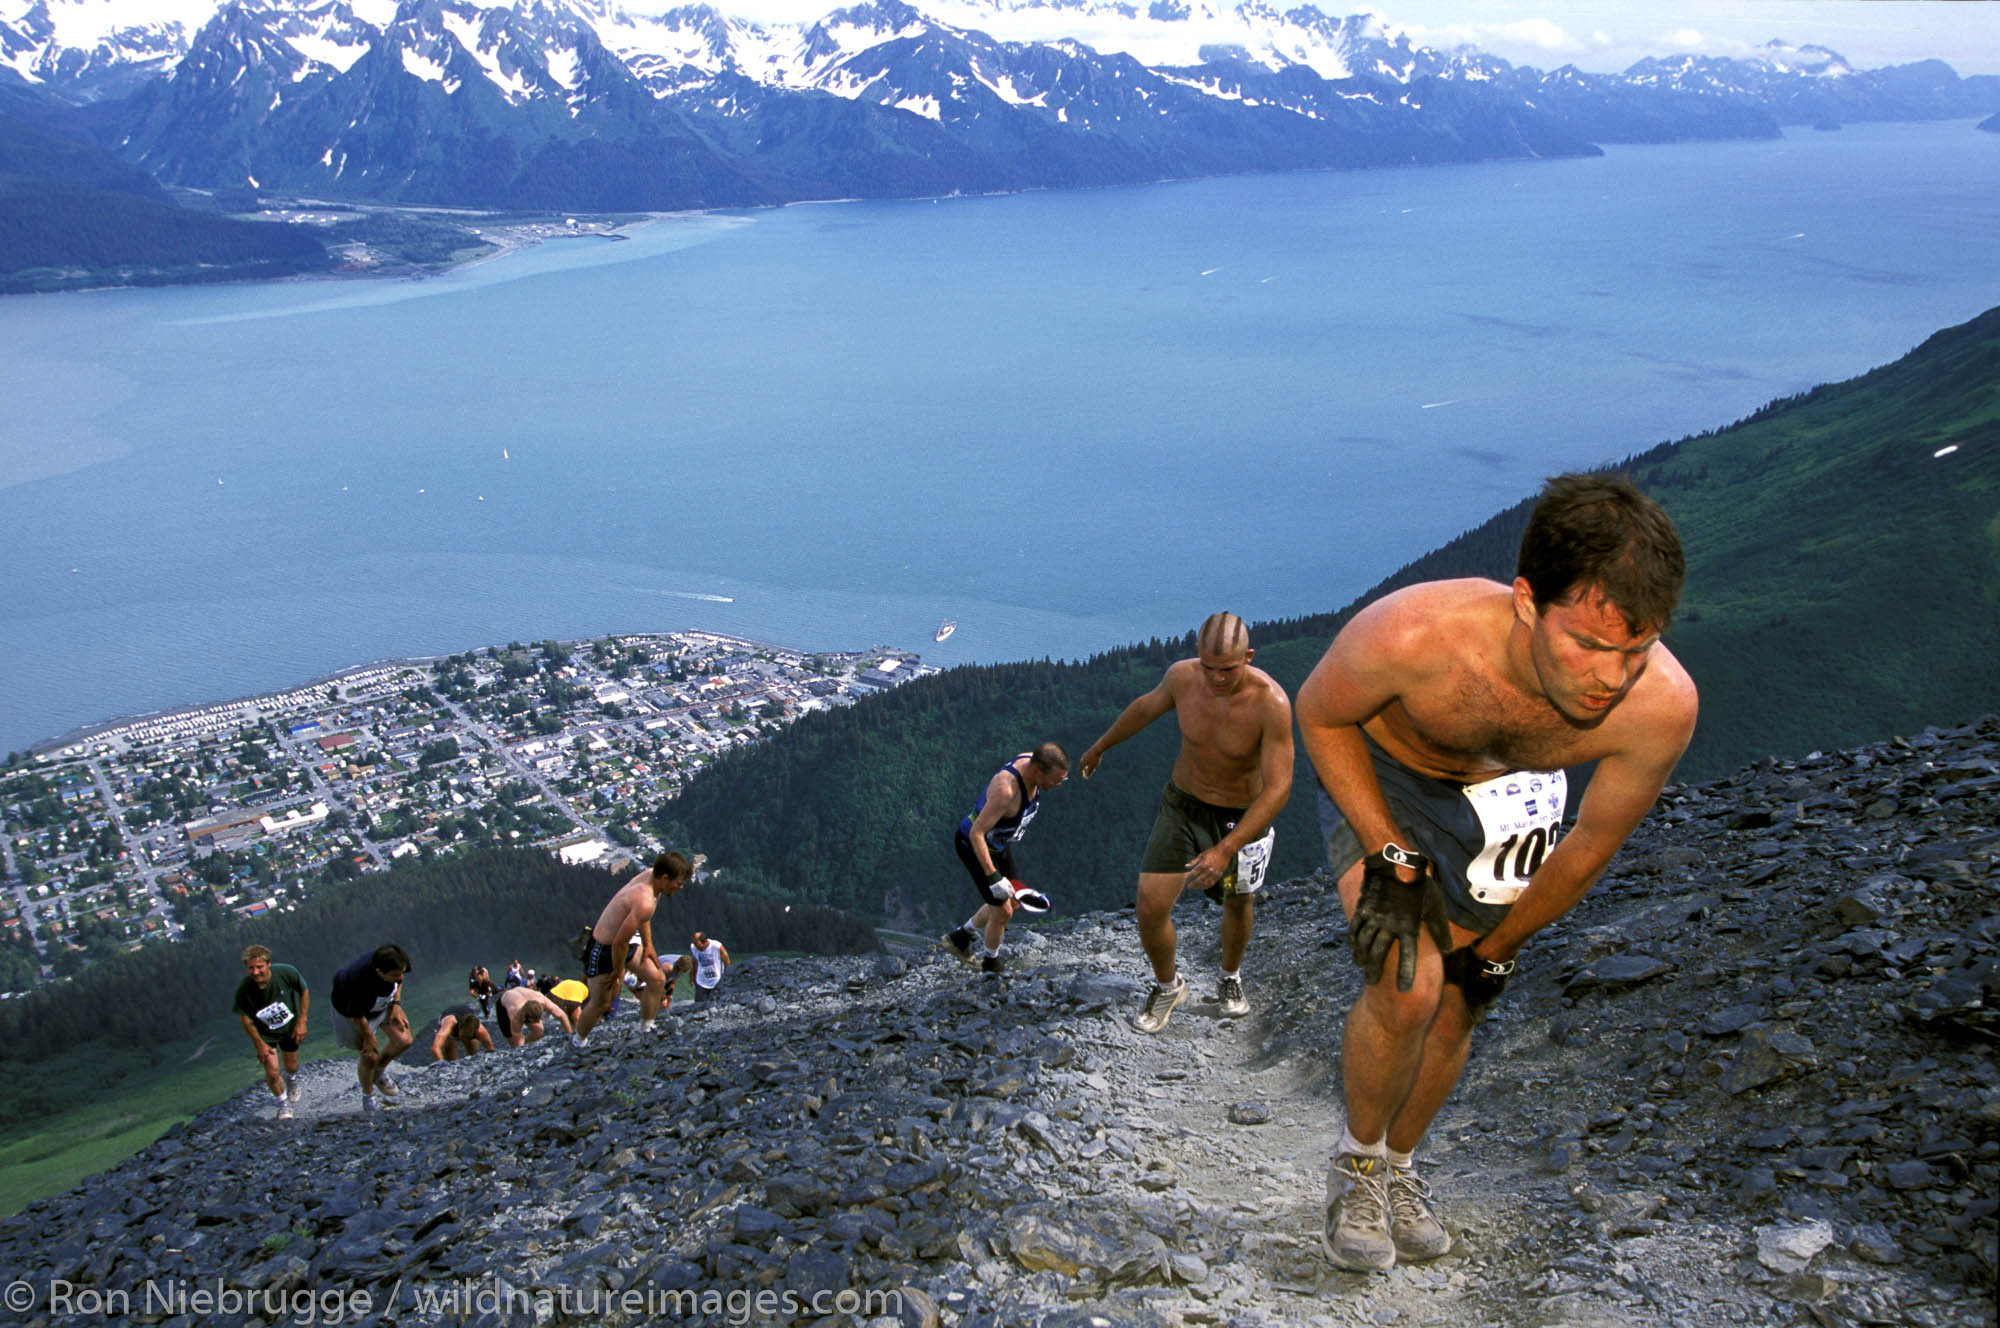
{"points": [[1767, 1093]]}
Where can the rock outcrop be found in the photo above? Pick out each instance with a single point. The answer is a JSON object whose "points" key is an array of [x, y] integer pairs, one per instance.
{"points": [[1750, 1080]]}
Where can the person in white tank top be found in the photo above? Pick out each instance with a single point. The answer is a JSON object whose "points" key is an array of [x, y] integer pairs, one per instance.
{"points": [[710, 958]]}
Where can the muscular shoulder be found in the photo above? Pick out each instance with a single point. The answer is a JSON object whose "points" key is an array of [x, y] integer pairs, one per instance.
{"points": [[1657, 719], [1271, 694], [1426, 627]]}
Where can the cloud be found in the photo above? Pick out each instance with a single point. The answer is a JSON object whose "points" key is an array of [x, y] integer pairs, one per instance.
{"points": [[1540, 34], [1544, 33]]}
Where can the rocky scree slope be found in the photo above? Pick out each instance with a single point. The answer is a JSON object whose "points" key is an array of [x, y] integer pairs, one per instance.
{"points": [[1750, 1080]]}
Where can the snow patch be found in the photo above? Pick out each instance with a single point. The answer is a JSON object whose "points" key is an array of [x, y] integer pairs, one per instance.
{"points": [[430, 71], [319, 49], [565, 67], [1008, 91]]}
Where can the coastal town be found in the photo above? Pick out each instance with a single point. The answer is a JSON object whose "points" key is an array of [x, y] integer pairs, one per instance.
{"points": [[144, 829]]}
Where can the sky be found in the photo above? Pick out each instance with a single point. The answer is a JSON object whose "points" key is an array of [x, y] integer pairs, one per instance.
{"points": [[1609, 35], [1595, 35]]}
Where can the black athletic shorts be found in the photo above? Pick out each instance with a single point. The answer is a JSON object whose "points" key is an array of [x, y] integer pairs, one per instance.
{"points": [[1486, 839], [599, 959], [1003, 862]]}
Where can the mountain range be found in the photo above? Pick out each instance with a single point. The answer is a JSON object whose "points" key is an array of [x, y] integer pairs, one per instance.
{"points": [[579, 104]]}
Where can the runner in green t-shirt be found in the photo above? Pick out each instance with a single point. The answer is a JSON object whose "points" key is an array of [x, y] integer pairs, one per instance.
{"points": [[272, 1004]]}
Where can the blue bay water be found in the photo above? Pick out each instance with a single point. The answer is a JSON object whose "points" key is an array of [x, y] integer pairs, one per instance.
{"points": [[1067, 420]]}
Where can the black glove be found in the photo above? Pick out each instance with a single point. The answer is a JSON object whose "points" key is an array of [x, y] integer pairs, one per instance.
{"points": [[1389, 912], [1481, 979]]}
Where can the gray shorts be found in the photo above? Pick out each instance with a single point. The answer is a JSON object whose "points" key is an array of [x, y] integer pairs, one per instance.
{"points": [[1487, 838], [348, 1036]]}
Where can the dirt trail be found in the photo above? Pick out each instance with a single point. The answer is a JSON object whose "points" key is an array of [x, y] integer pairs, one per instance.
{"points": [[1528, 1252]]}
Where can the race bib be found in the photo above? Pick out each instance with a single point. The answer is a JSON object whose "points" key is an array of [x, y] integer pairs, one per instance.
{"points": [[274, 1016], [1253, 860], [1520, 815]]}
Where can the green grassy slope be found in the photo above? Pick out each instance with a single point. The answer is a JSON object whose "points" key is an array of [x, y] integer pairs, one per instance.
{"points": [[1843, 581]]}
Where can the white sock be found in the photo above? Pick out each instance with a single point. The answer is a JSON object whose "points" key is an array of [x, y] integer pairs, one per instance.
{"points": [[1402, 1161], [970, 923], [1349, 1144], [1238, 974]]}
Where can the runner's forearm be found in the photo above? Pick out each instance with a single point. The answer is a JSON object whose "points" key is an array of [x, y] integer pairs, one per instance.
{"points": [[1339, 755], [1564, 878], [1133, 718], [1258, 817]]}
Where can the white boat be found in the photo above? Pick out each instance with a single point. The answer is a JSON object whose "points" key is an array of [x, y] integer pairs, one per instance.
{"points": [[945, 629]]}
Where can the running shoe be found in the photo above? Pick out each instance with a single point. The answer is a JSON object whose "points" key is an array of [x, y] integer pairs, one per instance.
{"points": [[1229, 992], [284, 1108], [386, 1084], [576, 1041], [960, 944], [992, 964], [1418, 1233], [1161, 1002], [1356, 1235], [369, 1104]]}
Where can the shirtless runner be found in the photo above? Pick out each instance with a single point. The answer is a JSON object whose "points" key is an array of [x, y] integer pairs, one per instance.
{"points": [[1232, 778], [630, 911], [1440, 721]]}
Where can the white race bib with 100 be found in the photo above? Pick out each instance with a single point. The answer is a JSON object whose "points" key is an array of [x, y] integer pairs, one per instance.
{"points": [[1521, 817]]}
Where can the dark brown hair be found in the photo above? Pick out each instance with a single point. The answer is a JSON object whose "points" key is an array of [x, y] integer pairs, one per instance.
{"points": [[1599, 532]]}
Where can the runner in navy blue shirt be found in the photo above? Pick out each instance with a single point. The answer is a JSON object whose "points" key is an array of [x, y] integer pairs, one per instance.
{"points": [[984, 843], [367, 996]]}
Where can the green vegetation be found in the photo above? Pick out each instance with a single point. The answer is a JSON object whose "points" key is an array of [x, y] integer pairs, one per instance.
{"points": [[119, 1099], [73, 1109], [1844, 584], [416, 238], [485, 902], [65, 239], [1843, 580]]}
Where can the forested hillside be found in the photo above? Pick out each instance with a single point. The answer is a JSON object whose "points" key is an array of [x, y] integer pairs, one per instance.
{"points": [[1844, 584], [72, 214]]}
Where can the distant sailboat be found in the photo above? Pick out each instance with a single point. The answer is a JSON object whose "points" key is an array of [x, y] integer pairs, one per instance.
{"points": [[504, 456]]}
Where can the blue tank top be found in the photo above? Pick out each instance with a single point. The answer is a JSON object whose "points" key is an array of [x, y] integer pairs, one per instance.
{"points": [[1008, 829]]}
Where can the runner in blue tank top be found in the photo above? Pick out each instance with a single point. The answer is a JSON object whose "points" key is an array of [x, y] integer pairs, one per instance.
{"points": [[984, 842]]}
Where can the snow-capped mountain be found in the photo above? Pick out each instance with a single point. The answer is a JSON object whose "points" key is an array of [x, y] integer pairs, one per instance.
{"points": [[584, 103]]}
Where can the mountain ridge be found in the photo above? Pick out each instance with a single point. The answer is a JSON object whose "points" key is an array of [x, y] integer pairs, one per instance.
{"points": [[578, 103]]}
